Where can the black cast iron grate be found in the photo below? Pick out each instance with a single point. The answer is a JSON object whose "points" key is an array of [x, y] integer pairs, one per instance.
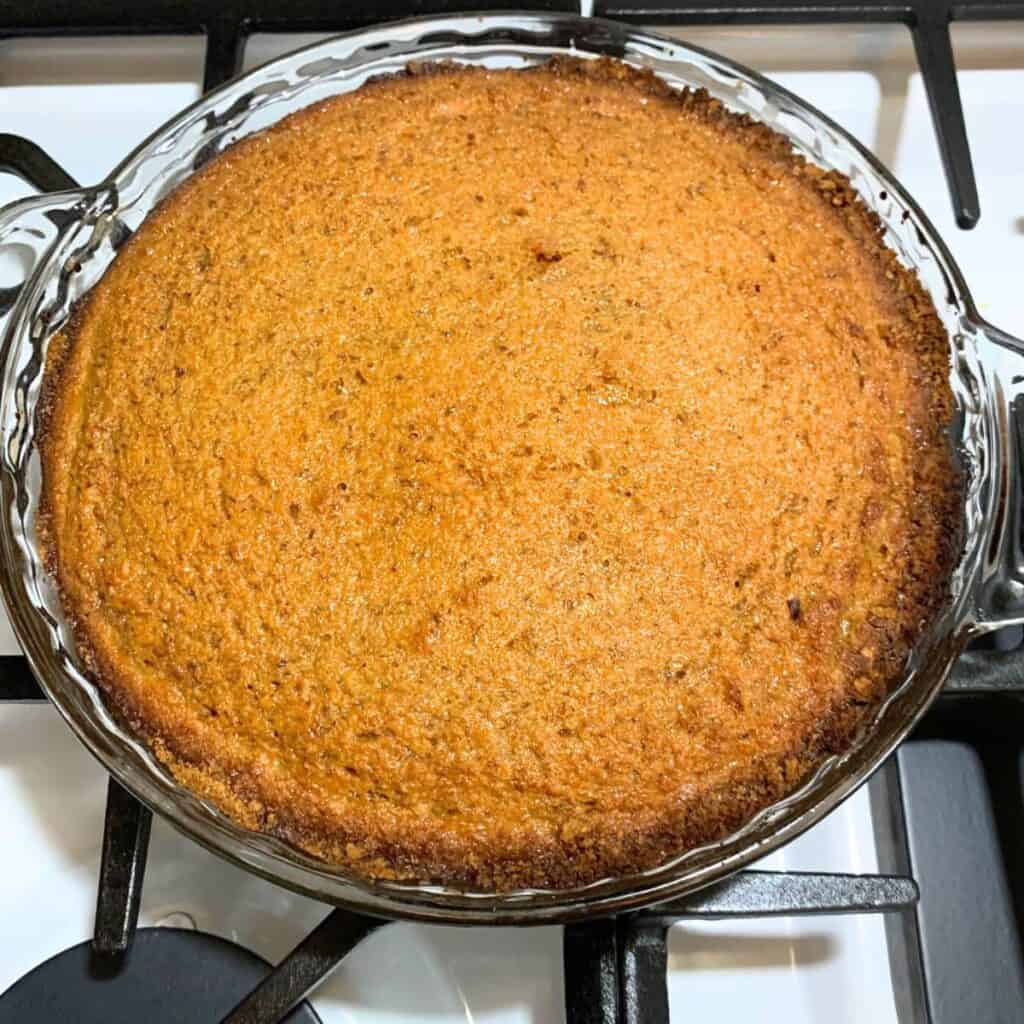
{"points": [[929, 23], [228, 23], [615, 970]]}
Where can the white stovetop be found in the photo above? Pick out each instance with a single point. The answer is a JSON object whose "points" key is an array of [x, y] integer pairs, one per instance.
{"points": [[87, 103]]}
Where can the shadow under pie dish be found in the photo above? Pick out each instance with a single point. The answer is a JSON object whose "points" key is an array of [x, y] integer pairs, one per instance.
{"points": [[501, 478]]}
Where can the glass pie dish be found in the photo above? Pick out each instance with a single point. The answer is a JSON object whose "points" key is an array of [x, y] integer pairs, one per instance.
{"points": [[66, 241]]}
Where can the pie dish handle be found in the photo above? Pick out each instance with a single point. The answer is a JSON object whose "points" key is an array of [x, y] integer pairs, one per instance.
{"points": [[999, 596], [29, 227]]}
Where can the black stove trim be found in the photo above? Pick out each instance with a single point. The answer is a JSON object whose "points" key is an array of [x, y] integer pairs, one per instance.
{"points": [[959, 814]]}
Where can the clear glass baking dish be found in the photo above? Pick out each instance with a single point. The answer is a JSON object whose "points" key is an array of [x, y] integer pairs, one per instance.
{"points": [[66, 240]]}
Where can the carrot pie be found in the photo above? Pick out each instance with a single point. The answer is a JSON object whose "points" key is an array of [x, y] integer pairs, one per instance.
{"points": [[501, 478]]}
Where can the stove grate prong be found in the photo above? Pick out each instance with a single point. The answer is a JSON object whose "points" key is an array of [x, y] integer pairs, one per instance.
{"points": [[934, 49], [616, 969], [789, 893], [591, 969], [122, 870], [17, 683], [304, 968], [225, 47], [928, 21]]}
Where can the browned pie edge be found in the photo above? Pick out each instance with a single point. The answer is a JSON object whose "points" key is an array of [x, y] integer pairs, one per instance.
{"points": [[644, 839]]}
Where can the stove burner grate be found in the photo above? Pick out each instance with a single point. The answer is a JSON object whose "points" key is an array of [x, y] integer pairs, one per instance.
{"points": [[228, 23], [615, 969]]}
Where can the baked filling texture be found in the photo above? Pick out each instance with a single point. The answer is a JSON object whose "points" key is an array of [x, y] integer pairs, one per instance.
{"points": [[501, 478]]}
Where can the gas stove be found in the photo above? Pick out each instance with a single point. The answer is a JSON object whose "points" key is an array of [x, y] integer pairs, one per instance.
{"points": [[901, 906]]}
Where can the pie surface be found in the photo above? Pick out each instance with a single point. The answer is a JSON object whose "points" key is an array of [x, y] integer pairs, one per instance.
{"points": [[501, 478]]}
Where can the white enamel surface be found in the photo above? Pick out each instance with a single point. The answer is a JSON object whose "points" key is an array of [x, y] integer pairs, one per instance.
{"points": [[88, 103]]}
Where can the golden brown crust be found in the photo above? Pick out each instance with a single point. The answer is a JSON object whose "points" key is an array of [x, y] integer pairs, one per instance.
{"points": [[502, 479]]}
